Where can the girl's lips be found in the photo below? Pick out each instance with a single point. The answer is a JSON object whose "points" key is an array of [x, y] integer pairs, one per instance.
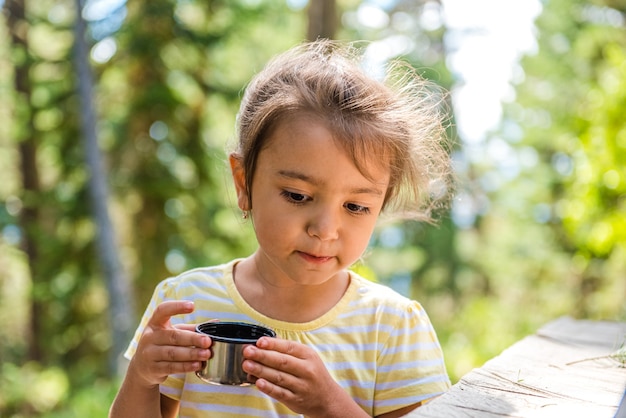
{"points": [[314, 258]]}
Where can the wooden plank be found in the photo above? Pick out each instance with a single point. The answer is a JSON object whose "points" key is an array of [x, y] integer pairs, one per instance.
{"points": [[542, 376]]}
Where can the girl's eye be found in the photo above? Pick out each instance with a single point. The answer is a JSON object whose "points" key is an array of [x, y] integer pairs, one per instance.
{"points": [[294, 197], [357, 209]]}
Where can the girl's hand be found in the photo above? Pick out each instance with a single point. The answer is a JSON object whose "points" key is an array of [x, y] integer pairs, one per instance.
{"points": [[295, 375], [164, 349]]}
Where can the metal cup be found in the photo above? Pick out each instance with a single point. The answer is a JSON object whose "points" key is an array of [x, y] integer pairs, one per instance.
{"points": [[229, 338]]}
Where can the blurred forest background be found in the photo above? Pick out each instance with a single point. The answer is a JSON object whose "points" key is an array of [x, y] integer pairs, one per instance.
{"points": [[114, 120]]}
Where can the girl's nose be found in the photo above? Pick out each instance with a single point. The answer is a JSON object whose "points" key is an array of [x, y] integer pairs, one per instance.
{"points": [[324, 225]]}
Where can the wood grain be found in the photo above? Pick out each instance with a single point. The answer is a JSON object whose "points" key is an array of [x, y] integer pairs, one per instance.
{"points": [[543, 376]]}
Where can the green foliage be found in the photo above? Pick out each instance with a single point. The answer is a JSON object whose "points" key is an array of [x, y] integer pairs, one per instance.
{"points": [[28, 389], [572, 114], [31, 390]]}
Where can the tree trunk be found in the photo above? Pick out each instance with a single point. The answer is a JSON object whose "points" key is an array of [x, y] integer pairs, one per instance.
{"points": [[322, 19], [29, 216], [121, 312]]}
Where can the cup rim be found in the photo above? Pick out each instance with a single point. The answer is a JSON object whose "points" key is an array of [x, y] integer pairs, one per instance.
{"points": [[261, 330]]}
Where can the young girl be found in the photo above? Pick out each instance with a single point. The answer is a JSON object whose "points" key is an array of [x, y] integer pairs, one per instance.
{"points": [[323, 149]]}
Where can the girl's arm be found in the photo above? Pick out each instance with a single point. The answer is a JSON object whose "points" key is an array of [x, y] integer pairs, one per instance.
{"points": [[169, 407], [135, 400]]}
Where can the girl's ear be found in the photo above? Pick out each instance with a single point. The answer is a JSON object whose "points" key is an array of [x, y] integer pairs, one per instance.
{"points": [[239, 177]]}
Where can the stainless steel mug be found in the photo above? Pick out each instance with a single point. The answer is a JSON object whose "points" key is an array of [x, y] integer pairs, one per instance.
{"points": [[229, 338]]}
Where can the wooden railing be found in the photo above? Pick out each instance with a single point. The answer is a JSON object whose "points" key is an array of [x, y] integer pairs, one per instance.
{"points": [[569, 368]]}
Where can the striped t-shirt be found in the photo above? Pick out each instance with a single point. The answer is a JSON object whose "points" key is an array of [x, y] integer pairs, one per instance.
{"points": [[378, 345]]}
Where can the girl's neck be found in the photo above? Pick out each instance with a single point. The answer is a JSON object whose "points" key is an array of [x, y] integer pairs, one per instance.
{"points": [[294, 303]]}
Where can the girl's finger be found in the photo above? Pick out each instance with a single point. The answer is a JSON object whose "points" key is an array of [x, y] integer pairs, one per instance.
{"points": [[165, 310], [288, 347], [165, 354], [186, 327], [166, 368], [181, 337]]}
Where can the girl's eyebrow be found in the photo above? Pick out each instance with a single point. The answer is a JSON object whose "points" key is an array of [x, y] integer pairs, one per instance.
{"points": [[297, 176], [311, 180]]}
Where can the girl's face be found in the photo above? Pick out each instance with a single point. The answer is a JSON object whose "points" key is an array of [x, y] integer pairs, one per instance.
{"points": [[312, 210]]}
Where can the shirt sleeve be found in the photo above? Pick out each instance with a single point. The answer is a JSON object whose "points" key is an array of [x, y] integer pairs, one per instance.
{"points": [[411, 366]]}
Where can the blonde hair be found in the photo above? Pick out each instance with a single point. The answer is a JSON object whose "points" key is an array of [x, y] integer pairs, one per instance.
{"points": [[399, 120]]}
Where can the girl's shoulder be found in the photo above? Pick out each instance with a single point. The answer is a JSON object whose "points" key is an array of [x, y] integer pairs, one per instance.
{"points": [[200, 277], [224, 269], [378, 294], [374, 303], [366, 284]]}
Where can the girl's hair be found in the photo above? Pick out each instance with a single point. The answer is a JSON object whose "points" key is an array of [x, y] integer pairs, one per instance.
{"points": [[399, 121]]}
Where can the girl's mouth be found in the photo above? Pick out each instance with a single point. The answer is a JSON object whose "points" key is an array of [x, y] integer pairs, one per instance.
{"points": [[314, 258]]}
